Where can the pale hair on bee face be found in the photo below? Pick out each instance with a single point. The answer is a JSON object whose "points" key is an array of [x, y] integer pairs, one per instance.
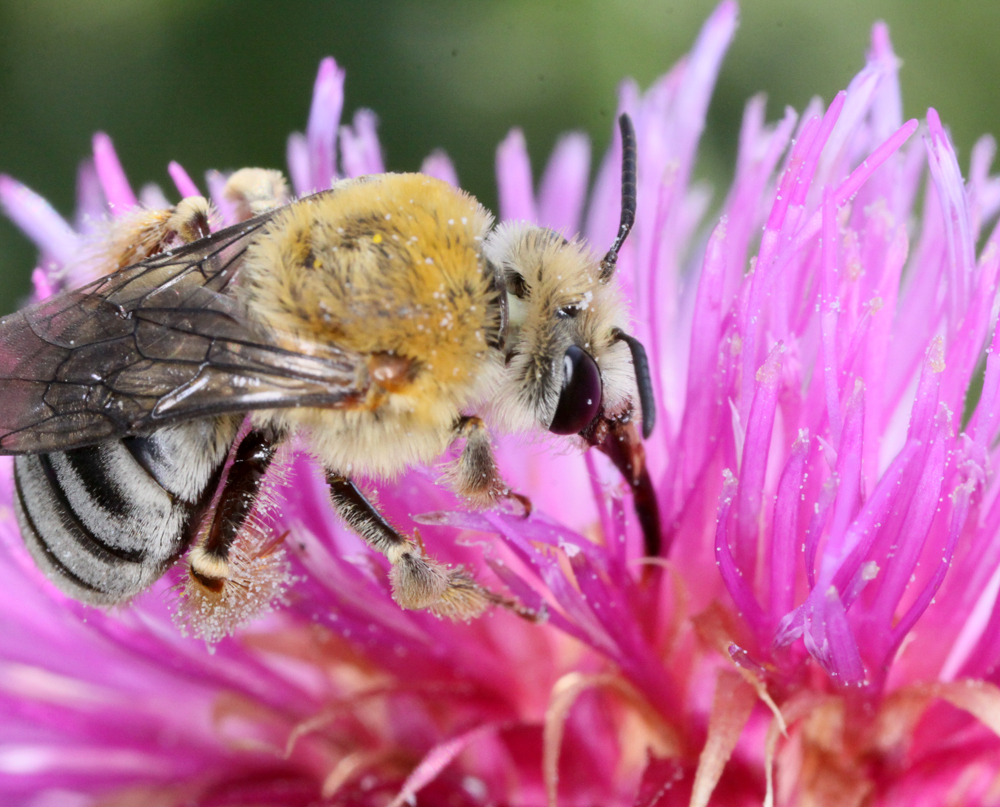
{"points": [[557, 300]]}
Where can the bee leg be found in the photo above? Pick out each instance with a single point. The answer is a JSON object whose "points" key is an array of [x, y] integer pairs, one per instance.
{"points": [[144, 233], [253, 191], [209, 561], [418, 581], [189, 220], [475, 474]]}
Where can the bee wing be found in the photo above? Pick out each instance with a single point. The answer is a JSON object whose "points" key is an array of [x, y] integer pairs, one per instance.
{"points": [[155, 343]]}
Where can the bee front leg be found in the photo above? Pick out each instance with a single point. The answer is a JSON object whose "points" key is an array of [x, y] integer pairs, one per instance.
{"points": [[475, 474], [418, 582], [209, 560]]}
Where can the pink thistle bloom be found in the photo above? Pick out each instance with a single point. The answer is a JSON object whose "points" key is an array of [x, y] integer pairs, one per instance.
{"points": [[823, 626]]}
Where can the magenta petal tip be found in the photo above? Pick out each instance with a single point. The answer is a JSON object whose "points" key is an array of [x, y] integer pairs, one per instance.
{"points": [[182, 181], [117, 190], [514, 181], [439, 165], [38, 220]]}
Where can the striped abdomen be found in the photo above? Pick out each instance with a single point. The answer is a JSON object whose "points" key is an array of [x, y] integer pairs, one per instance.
{"points": [[105, 521]]}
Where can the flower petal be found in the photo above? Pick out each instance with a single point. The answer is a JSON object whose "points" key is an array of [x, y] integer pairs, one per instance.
{"points": [[517, 200], [185, 185], [321, 130], [563, 188], [359, 147], [36, 218], [438, 165], [114, 183], [734, 701]]}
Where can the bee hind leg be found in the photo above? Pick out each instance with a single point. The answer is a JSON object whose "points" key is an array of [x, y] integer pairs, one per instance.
{"points": [[418, 582], [209, 559]]}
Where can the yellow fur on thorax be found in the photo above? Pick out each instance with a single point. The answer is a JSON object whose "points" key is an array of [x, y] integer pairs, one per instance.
{"points": [[384, 266]]}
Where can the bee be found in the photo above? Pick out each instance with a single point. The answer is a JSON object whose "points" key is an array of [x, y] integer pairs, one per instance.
{"points": [[377, 323]]}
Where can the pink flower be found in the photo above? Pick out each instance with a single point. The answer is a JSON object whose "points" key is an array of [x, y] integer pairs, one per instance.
{"points": [[823, 625]]}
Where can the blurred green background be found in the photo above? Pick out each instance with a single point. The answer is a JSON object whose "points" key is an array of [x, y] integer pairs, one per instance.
{"points": [[220, 84]]}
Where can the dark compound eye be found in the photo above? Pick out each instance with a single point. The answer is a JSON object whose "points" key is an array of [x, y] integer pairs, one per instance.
{"points": [[581, 393]]}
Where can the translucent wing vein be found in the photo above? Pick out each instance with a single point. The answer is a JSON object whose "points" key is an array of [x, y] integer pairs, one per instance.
{"points": [[159, 342]]}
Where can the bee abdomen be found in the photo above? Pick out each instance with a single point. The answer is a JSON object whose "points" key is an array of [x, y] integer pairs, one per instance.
{"points": [[104, 521]]}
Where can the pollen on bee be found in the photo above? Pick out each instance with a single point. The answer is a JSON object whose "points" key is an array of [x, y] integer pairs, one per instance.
{"points": [[429, 260], [258, 574], [388, 216], [377, 238]]}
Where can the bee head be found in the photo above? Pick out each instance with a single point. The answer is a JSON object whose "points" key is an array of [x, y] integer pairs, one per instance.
{"points": [[567, 358]]}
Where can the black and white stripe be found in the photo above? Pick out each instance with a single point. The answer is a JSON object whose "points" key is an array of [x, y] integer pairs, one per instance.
{"points": [[104, 521]]}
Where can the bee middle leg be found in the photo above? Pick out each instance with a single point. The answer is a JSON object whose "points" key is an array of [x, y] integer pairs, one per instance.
{"points": [[209, 560], [418, 582]]}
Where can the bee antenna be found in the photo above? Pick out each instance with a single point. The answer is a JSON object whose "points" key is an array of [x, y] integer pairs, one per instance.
{"points": [[643, 380], [628, 196]]}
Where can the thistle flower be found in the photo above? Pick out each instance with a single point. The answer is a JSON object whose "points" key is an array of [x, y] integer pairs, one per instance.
{"points": [[822, 627]]}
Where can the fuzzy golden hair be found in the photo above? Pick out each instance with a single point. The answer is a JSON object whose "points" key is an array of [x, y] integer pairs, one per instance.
{"points": [[389, 267], [142, 232]]}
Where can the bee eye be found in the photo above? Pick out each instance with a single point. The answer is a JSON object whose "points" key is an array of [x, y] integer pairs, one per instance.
{"points": [[581, 393]]}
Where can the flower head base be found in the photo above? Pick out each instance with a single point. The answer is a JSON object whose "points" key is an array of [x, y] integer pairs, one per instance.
{"points": [[823, 624]]}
